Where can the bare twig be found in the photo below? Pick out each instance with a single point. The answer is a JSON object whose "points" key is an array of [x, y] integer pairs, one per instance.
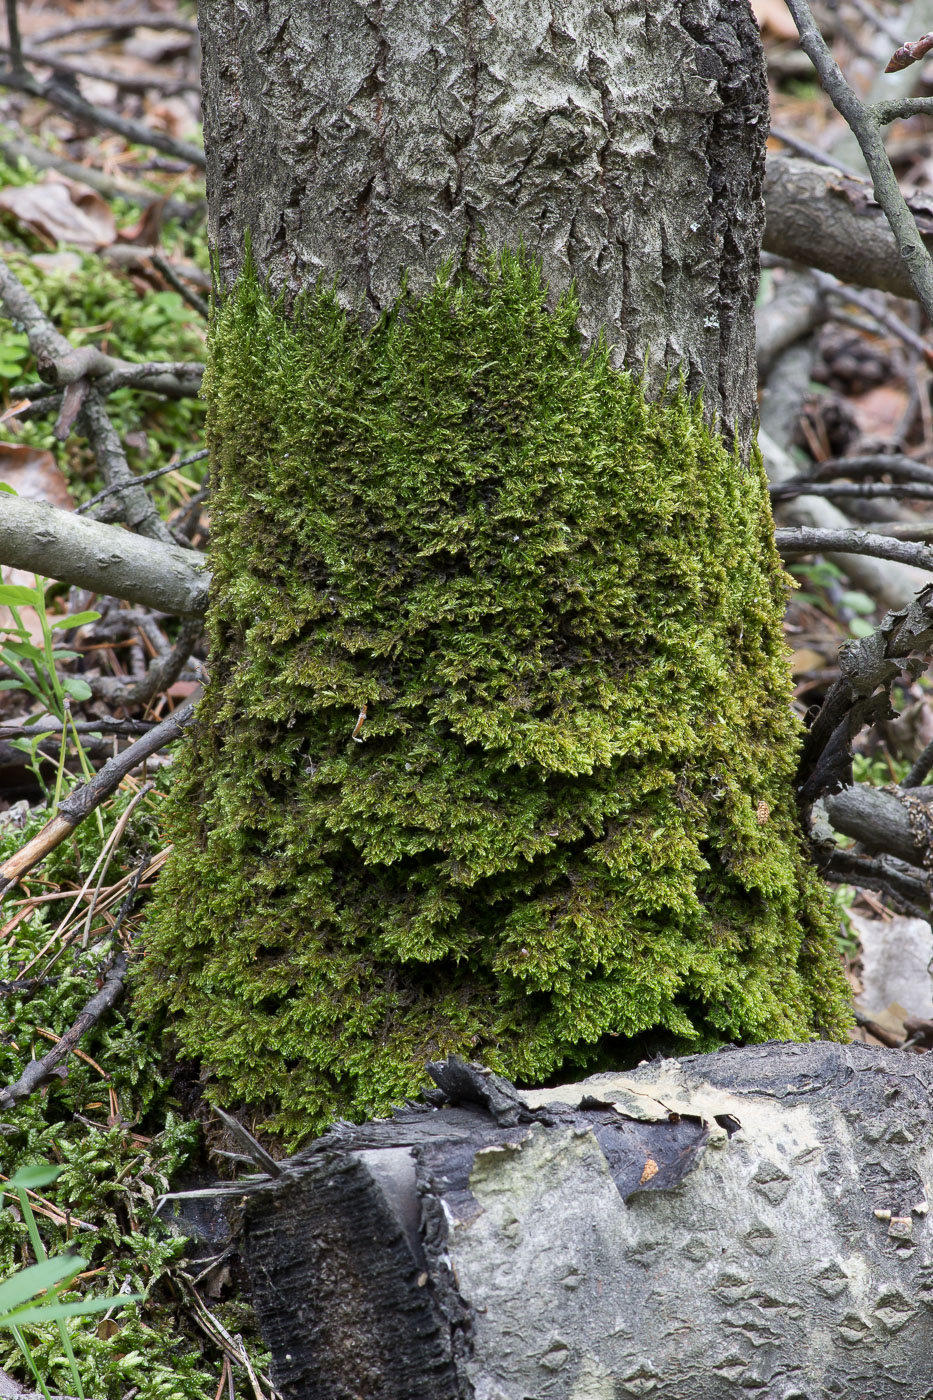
{"points": [[51, 348], [83, 800], [920, 768], [889, 463], [806, 540], [905, 890], [16, 44], [254, 1150], [147, 19], [882, 314], [804, 148], [861, 695], [894, 1042], [67, 100], [866, 122], [162, 673], [40, 1072], [127, 81], [181, 287], [898, 491], [153, 476]]}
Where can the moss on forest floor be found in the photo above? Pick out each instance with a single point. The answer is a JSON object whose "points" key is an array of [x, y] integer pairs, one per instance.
{"points": [[115, 1128], [497, 753]]}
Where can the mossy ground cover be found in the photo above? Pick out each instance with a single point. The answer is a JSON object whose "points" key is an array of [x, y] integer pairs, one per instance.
{"points": [[114, 1166], [497, 752]]}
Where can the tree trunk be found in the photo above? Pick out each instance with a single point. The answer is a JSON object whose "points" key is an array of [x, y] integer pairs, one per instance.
{"points": [[497, 754], [622, 145]]}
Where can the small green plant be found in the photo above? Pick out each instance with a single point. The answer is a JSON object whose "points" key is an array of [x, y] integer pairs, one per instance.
{"points": [[35, 670], [14, 352], [34, 1294]]}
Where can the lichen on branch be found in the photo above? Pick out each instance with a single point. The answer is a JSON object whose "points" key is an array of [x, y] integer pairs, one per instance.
{"points": [[496, 757]]}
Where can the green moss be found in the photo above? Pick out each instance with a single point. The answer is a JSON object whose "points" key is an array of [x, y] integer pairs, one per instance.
{"points": [[111, 1172], [568, 816]]}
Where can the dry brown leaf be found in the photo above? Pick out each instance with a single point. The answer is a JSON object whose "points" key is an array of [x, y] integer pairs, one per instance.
{"points": [[806, 659], [61, 211], [879, 412], [774, 17], [34, 474]]}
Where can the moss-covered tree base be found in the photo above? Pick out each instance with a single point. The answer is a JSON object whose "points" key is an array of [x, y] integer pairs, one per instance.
{"points": [[497, 752]]}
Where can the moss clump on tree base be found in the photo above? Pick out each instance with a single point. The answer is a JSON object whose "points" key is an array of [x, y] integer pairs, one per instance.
{"points": [[496, 757]]}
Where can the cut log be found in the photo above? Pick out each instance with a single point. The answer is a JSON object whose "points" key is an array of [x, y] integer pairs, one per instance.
{"points": [[748, 1221]]}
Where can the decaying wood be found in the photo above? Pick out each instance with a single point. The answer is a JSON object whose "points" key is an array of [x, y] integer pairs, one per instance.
{"points": [[753, 1221]]}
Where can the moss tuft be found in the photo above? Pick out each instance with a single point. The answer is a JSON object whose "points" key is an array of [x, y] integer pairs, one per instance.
{"points": [[567, 814]]}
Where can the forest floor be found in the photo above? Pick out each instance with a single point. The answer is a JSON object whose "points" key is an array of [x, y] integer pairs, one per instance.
{"points": [[105, 228]]}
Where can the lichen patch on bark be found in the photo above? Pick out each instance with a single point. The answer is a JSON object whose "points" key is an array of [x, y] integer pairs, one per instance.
{"points": [[499, 692]]}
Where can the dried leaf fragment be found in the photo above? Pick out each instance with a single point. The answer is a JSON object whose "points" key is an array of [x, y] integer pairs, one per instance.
{"points": [[650, 1169]]}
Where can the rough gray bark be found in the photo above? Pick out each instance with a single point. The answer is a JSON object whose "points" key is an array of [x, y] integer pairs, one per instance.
{"points": [[750, 1221], [366, 143]]}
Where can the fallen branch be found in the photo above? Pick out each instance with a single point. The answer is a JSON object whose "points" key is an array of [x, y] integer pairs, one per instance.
{"points": [[102, 558], [831, 221], [80, 803], [861, 695], [905, 891], [806, 540], [889, 463], [70, 101], [806, 486], [40, 1072], [866, 123]]}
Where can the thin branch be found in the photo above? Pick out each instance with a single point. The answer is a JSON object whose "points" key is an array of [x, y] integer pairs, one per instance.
{"points": [[882, 314], [865, 124], [804, 148], [118, 24], [181, 287], [150, 476], [806, 540], [48, 724], [162, 673], [16, 43], [896, 107], [80, 803], [920, 768], [40, 1072], [879, 462], [52, 349], [806, 486], [907, 892], [127, 81], [66, 100]]}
